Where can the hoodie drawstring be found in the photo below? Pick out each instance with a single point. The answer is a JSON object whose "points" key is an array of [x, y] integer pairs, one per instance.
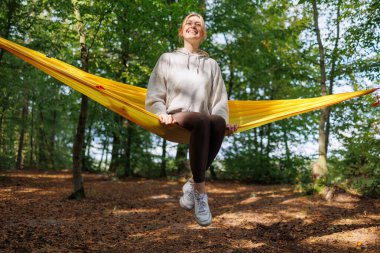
{"points": [[201, 54]]}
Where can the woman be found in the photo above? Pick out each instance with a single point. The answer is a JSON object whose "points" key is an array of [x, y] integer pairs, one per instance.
{"points": [[186, 88]]}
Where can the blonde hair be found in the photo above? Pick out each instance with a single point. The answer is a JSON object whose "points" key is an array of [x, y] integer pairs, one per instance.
{"points": [[203, 31]]}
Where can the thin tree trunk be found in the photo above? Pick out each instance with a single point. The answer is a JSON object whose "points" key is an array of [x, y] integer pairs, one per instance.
{"points": [[24, 114], [128, 149], [163, 159], [31, 152], [87, 150], [332, 72], [324, 111], [287, 150], [52, 140], [269, 138], [101, 157], [181, 160], [78, 191], [230, 81], [1, 130], [116, 145], [106, 151], [128, 145], [41, 143], [115, 152]]}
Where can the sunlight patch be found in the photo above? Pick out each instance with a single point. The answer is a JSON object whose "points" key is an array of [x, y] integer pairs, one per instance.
{"points": [[353, 221], [240, 218], [294, 213], [161, 196], [358, 238], [249, 200], [135, 211], [247, 244]]}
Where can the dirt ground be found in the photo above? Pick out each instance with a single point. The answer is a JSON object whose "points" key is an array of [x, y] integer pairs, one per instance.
{"points": [[139, 215]]}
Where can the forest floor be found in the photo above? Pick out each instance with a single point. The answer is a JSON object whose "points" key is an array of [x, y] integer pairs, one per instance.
{"points": [[141, 215]]}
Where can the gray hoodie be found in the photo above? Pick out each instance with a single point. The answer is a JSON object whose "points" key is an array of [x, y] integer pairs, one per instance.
{"points": [[182, 81]]}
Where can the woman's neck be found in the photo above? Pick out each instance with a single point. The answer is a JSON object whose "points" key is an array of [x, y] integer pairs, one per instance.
{"points": [[191, 47]]}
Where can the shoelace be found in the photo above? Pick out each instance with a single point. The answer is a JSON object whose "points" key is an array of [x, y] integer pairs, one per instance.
{"points": [[202, 203], [190, 195]]}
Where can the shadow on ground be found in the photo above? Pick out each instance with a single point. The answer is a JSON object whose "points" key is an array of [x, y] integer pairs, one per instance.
{"points": [[138, 215]]}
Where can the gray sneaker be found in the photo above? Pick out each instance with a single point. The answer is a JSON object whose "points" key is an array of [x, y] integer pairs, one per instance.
{"points": [[187, 200], [202, 210]]}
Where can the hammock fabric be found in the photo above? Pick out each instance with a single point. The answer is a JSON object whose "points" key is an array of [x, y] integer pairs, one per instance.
{"points": [[129, 101]]}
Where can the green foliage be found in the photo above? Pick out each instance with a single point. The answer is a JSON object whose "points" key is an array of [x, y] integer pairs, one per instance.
{"points": [[251, 166], [266, 50], [357, 166]]}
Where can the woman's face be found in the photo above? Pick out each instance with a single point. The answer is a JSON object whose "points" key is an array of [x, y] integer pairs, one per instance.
{"points": [[192, 29]]}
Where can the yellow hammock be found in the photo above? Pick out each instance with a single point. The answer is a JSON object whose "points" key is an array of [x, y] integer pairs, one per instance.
{"points": [[129, 101]]}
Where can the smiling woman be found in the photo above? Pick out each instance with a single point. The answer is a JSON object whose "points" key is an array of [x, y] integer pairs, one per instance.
{"points": [[186, 88], [193, 27]]}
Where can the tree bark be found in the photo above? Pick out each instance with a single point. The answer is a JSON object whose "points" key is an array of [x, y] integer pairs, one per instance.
{"points": [[181, 160], [52, 140], [114, 152], [324, 111], [42, 160], [163, 159], [24, 114], [101, 156], [31, 162], [332, 72], [78, 191], [128, 151], [287, 150]]}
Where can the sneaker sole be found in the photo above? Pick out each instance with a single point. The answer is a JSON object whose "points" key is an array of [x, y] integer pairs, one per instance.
{"points": [[183, 205], [205, 223]]}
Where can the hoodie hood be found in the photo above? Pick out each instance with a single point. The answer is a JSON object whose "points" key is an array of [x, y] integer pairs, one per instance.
{"points": [[200, 54], [187, 52]]}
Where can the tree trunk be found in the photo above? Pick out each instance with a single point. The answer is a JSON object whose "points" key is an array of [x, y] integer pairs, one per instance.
{"points": [[42, 159], [106, 151], [128, 149], [287, 150], [163, 159], [116, 145], [2, 115], [322, 171], [269, 138], [24, 114], [52, 140], [101, 157], [332, 72], [181, 160], [230, 81], [78, 191], [86, 166], [31, 152], [115, 152]]}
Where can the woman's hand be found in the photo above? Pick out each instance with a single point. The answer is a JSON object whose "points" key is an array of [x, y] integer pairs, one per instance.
{"points": [[231, 129], [167, 119]]}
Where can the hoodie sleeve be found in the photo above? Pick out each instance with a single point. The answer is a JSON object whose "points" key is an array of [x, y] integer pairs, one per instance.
{"points": [[155, 101], [219, 101]]}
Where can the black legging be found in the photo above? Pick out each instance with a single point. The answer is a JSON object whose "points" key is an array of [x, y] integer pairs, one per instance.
{"points": [[207, 134]]}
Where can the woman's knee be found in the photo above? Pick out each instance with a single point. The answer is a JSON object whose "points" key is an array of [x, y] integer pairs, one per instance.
{"points": [[191, 120], [218, 123], [201, 121]]}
